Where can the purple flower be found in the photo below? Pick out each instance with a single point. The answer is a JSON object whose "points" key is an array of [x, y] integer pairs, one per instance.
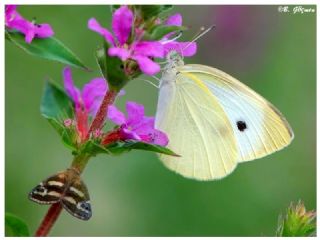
{"points": [[14, 20], [186, 49], [92, 93], [87, 102], [136, 125], [138, 50]]}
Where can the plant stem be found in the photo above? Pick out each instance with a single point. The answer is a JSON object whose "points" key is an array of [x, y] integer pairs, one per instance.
{"points": [[98, 121], [48, 221], [79, 163]]}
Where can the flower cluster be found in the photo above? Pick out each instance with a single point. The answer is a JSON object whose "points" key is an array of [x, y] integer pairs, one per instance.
{"points": [[128, 40], [135, 126], [14, 21], [139, 36], [87, 102]]}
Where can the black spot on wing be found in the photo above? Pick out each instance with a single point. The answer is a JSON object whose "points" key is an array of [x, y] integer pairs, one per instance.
{"points": [[241, 125]]}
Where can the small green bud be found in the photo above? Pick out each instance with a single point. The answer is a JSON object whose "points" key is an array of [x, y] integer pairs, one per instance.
{"points": [[297, 222]]}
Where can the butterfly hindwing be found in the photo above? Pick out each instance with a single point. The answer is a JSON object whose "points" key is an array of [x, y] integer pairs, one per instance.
{"points": [[50, 190], [76, 200]]}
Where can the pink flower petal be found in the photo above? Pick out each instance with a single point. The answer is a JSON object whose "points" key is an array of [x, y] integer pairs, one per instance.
{"points": [[144, 126], [137, 126], [175, 20], [15, 21], [159, 138], [43, 30], [10, 12], [186, 49], [93, 93], [71, 90], [121, 53], [29, 35], [20, 24], [95, 26], [135, 113], [151, 49], [146, 65], [122, 21], [128, 134], [115, 115], [9, 8]]}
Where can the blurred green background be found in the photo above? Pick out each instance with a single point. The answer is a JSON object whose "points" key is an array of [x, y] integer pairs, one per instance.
{"points": [[134, 194]]}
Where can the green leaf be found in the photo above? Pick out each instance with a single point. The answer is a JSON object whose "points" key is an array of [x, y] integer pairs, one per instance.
{"points": [[102, 61], [159, 31], [93, 148], [48, 48], [120, 147], [55, 107], [67, 134], [69, 139], [15, 227], [114, 7], [56, 125], [55, 103], [152, 11], [111, 68]]}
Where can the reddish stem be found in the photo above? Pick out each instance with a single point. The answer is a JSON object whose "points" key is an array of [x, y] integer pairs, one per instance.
{"points": [[49, 220], [101, 115], [55, 209]]}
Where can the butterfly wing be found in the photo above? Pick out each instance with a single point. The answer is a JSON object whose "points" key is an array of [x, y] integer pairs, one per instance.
{"points": [[76, 199], [50, 190], [198, 130], [260, 128]]}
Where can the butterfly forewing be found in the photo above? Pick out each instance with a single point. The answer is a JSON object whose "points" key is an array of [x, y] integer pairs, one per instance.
{"points": [[260, 129], [50, 190], [76, 200]]}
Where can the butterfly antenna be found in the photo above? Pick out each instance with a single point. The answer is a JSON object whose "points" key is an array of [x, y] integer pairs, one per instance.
{"points": [[198, 35], [148, 81], [179, 34], [202, 32]]}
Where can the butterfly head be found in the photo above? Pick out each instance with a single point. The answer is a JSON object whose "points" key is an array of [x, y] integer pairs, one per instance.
{"points": [[174, 60]]}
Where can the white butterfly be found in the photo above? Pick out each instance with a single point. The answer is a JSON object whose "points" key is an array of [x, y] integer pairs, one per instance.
{"points": [[214, 121]]}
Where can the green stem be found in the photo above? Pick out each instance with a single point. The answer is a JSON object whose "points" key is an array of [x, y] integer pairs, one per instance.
{"points": [[79, 162]]}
